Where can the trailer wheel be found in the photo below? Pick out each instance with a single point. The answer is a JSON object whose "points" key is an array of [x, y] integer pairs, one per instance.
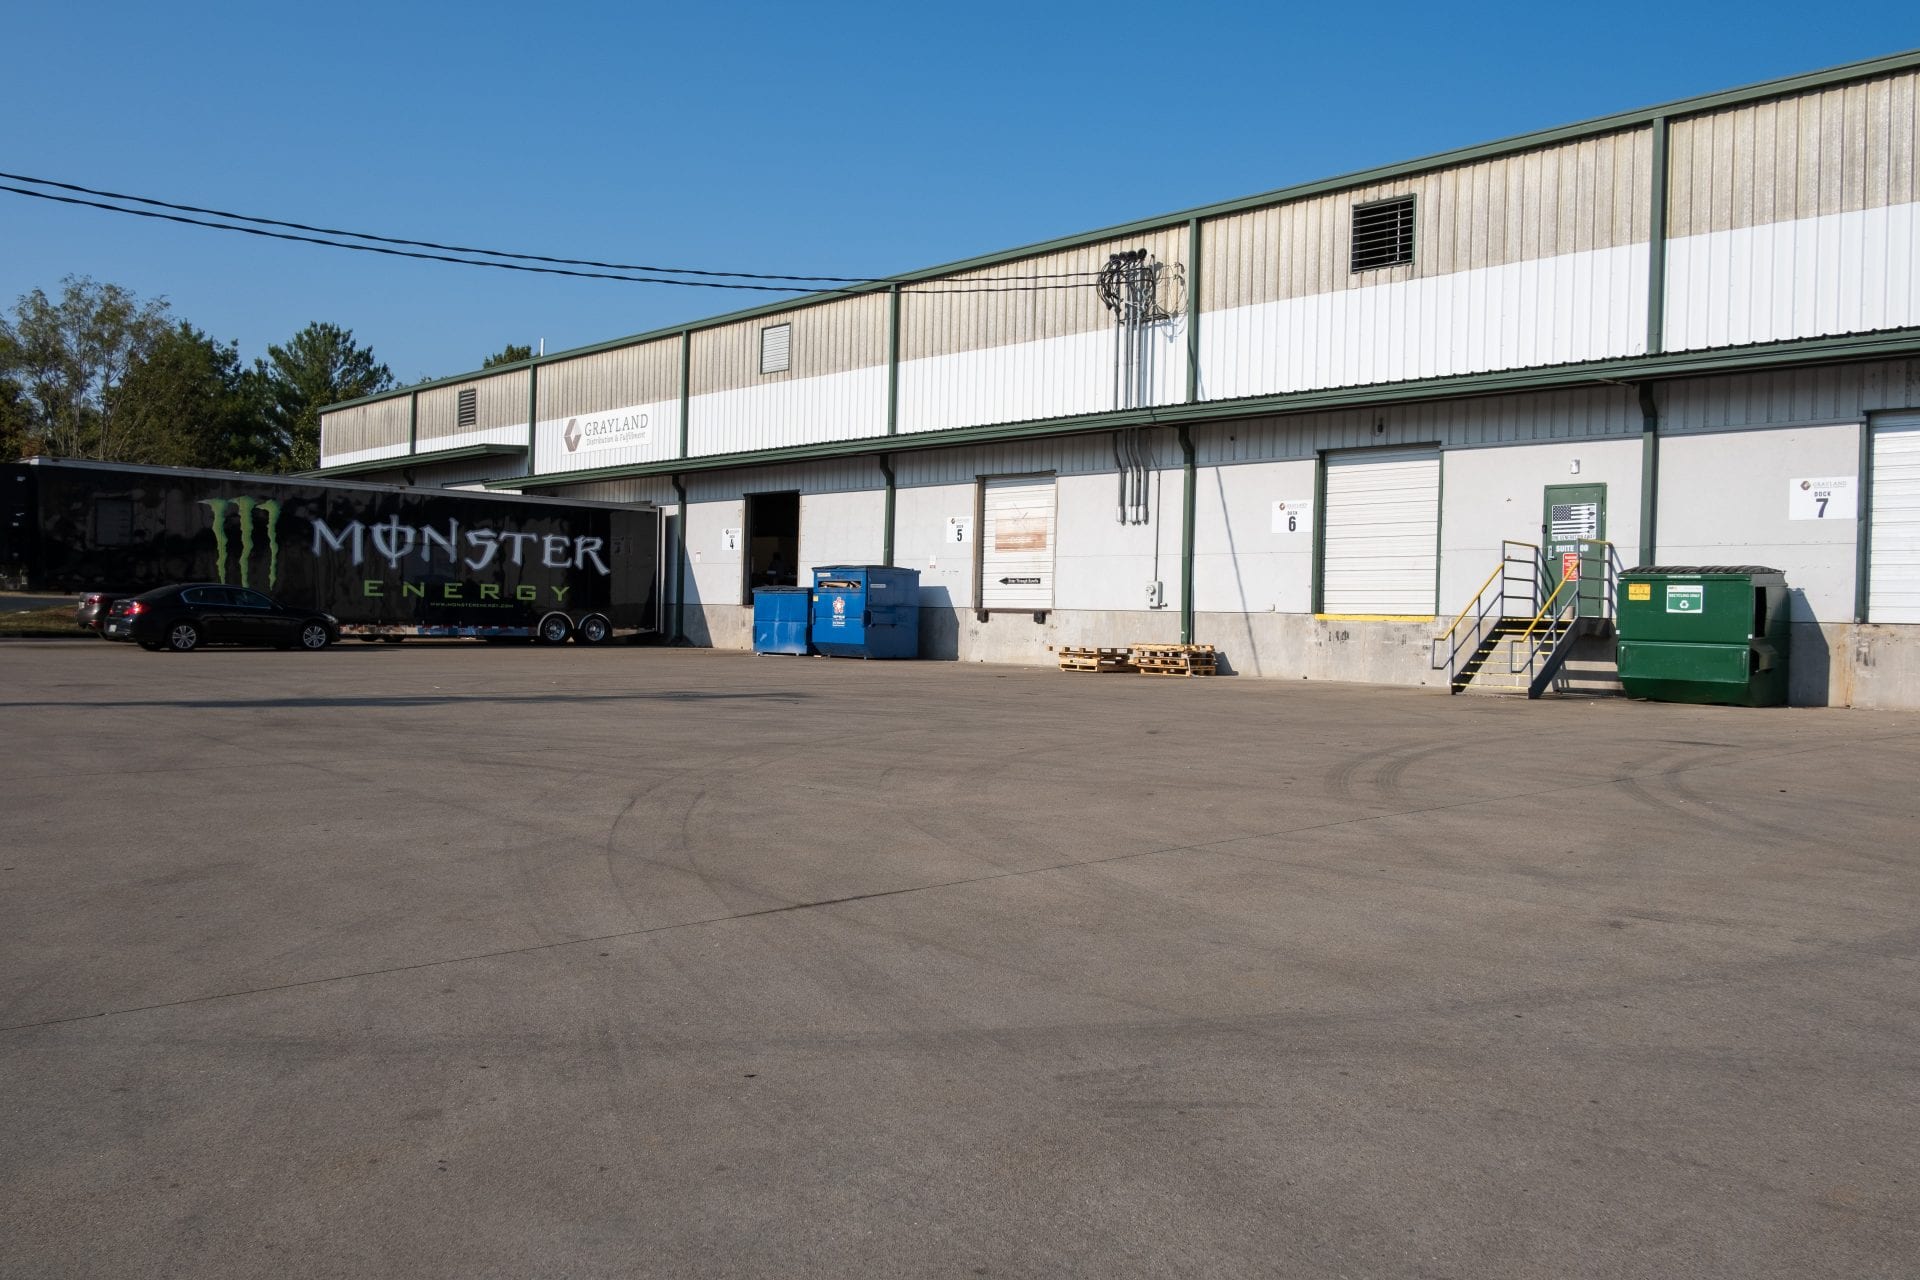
{"points": [[593, 629], [554, 629]]}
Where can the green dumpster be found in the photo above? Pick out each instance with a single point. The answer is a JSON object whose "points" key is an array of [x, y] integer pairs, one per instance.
{"points": [[1704, 633]]}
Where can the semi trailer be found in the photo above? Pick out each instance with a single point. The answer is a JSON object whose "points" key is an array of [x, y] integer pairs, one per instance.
{"points": [[388, 561]]}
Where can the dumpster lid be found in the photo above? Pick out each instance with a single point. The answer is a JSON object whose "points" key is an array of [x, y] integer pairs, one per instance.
{"points": [[1700, 568], [782, 591]]}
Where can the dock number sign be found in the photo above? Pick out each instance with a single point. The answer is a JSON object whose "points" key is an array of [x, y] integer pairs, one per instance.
{"points": [[1823, 498], [1686, 597]]}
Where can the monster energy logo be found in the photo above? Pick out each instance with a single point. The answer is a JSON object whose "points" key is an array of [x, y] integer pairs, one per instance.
{"points": [[245, 507]]}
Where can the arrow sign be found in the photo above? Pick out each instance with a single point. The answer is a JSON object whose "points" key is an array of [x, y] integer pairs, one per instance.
{"points": [[1019, 582]]}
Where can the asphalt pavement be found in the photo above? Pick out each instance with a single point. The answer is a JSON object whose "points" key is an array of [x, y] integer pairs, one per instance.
{"points": [[464, 961]]}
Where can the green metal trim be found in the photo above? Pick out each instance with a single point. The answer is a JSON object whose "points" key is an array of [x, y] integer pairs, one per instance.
{"points": [[680, 563], [413, 422], [1616, 123], [429, 459], [886, 550], [1195, 247], [893, 364], [1657, 244], [1317, 588], [1439, 523], [533, 415], [1891, 344], [686, 387], [1863, 531], [1649, 475], [1191, 491]]}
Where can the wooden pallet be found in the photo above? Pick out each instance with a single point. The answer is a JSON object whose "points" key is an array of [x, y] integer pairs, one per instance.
{"points": [[1084, 659], [1174, 659]]}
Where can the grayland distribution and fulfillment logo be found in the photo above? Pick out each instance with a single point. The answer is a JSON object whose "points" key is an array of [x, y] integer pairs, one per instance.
{"points": [[244, 507]]}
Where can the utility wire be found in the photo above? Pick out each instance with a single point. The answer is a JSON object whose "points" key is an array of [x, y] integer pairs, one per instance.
{"points": [[808, 281]]}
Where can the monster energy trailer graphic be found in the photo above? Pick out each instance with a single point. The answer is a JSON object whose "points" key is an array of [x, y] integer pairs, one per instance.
{"points": [[384, 560]]}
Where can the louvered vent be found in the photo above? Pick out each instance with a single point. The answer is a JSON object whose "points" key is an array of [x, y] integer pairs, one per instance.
{"points": [[1383, 234], [468, 413], [776, 348]]}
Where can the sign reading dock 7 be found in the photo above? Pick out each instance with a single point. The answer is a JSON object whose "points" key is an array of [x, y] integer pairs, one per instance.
{"points": [[245, 507]]}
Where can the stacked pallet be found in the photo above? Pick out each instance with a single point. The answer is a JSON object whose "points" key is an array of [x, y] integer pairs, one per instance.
{"points": [[1173, 659], [1085, 659]]}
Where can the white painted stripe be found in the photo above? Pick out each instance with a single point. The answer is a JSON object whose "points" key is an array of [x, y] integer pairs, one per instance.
{"points": [[396, 450], [1805, 278], [790, 411], [1578, 306], [662, 442], [1048, 378]]}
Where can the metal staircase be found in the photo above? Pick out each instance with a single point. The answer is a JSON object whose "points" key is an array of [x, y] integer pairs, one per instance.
{"points": [[1517, 632]]}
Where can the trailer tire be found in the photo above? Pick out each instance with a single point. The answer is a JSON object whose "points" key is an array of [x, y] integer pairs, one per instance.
{"points": [[593, 629], [554, 629]]}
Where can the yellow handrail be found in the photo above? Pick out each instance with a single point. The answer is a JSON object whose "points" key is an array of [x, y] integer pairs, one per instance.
{"points": [[1497, 571], [1448, 633]]}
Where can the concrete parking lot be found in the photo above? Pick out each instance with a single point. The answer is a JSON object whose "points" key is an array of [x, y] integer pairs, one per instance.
{"points": [[459, 962]]}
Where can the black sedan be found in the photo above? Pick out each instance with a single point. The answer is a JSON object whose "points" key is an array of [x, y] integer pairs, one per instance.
{"points": [[184, 617]]}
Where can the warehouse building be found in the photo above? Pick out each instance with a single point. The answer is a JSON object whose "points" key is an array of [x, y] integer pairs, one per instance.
{"points": [[1307, 426]]}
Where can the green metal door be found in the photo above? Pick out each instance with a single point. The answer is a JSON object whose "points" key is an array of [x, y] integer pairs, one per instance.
{"points": [[1573, 522]]}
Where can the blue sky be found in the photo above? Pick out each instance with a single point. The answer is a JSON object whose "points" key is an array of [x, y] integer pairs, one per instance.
{"points": [[848, 139]]}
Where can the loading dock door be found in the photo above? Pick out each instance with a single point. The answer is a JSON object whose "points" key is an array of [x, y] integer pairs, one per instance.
{"points": [[1016, 543], [1893, 565], [1382, 523]]}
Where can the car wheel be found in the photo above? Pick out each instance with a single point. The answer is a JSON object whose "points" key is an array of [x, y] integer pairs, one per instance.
{"points": [[593, 629], [314, 635], [554, 629], [183, 637]]}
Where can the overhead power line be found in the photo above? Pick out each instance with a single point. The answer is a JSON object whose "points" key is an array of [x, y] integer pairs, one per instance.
{"points": [[709, 279]]}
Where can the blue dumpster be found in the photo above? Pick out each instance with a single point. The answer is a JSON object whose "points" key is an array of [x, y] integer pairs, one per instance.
{"points": [[866, 611], [780, 619]]}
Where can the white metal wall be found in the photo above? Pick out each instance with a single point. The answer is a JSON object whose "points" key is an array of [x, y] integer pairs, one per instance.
{"points": [[1796, 217], [500, 405], [364, 432]]}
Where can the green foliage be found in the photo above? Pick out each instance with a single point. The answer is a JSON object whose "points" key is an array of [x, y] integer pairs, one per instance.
{"points": [[70, 356], [319, 366], [16, 422], [509, 354], [99, 374], [189, 402]]}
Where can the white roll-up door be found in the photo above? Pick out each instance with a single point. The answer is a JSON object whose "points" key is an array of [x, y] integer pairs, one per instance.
{"points": [[1381, 522], [1016, 543], [1893, 565]]}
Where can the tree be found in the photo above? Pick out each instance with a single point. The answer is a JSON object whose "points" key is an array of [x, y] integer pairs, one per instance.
{"points": [[16, 422], [189, 402], [70, 357], [509, 354], [319, 366]]}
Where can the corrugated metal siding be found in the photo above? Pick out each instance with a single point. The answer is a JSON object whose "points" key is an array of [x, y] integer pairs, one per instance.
{"points": [[1794, 397], [1797, 217], [501, 402], [658, 492], [1534, 259], [638, 380], [364, 432], [1458, 424], [834, 389], [1031, 339], [840, 475], [1066, 456], [1585, 195]]}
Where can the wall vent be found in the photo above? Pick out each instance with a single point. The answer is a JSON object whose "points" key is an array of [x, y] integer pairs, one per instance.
{"points": [[776, 348], [468, 412], [1383, 234]]}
